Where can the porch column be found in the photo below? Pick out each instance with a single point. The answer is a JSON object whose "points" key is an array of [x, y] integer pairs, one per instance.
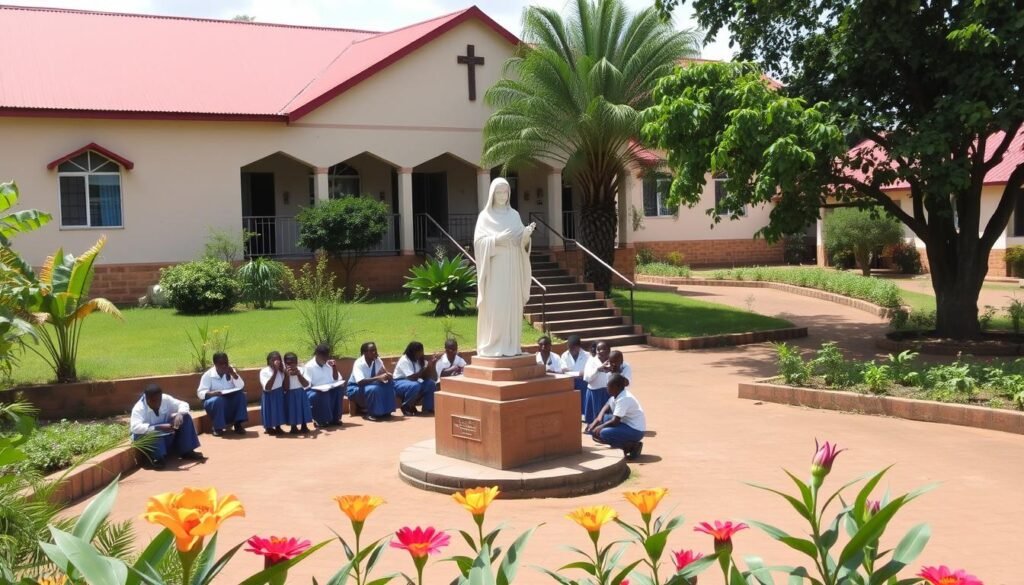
{"points": [[820, 242], [483, 186], [405, 212], [320, 186], [554, 209]]}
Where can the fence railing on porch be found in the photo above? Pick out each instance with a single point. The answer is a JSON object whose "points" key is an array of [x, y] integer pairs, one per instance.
{"points": [[278, 237], [429, 233]]}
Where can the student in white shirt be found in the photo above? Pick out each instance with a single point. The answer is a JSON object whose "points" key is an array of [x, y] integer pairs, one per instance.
{"points": [[549, 359], [574, 361], [168, 420], [220, 389], [621, 423], [413, 379], [451, 363], [297, 412], [371, 387], [325, 388], [596, 373], [272, 406]]}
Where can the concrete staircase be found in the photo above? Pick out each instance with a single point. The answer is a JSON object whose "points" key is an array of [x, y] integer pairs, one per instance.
{"points": [[574, 307]]}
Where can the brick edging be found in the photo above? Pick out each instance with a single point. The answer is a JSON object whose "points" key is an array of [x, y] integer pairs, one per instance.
{"points": [[727, 339], [644, 280], [938, 348], [964, 415]]}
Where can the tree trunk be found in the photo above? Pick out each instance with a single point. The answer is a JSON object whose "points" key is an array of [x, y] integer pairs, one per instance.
{"points": [[598, 222], [957, 280], [863, 257]]}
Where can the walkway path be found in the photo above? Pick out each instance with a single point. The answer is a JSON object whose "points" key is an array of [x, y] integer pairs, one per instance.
{"points": [[706, 444]]}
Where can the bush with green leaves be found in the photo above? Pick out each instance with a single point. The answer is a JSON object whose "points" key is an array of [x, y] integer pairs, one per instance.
{"points": [[201, 287], [1015, 311], [60, 445], [448, 284], [794, 250], [1015, 260], [906, 258], [262, 280], [873, 290], [344, 228], [792, 366], [663, 269], [862, 232], [645, 255]]}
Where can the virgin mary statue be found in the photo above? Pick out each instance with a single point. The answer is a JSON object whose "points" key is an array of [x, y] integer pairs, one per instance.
{"points": [[502, 246]]}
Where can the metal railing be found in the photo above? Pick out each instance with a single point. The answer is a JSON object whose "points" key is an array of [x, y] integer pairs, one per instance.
{"points": [[429, 223], [389, 244], [277, 236], [632, 286], [570, 224]]}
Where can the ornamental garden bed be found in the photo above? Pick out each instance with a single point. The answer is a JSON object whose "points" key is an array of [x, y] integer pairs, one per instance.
{"points": [[992, 343]]}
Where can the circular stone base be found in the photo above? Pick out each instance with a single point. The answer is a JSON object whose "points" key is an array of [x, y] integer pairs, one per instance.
{"points": [[594, 470]]}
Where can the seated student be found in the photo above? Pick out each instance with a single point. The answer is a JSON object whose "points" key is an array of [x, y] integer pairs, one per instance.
{"points": [[370, 386], [598, 369], [574, 361], [621, 423], [325, 388], [413, 380], [168, 421], [552, 363], [451, 363], [296, 405], [220, 390], [272, 400]]}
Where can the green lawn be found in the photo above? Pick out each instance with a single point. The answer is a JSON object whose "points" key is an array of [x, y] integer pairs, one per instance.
{"points": [[666, 314], [152, 341]]}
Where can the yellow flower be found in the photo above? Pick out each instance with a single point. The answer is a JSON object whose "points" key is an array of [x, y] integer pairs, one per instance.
{"points": [[646, 500], [191, 514], [477, 499], [61, 580], [357, 508], [592, 517]]}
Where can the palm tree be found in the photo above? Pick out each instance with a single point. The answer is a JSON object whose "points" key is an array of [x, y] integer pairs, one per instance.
{"points": [[573, 95]]}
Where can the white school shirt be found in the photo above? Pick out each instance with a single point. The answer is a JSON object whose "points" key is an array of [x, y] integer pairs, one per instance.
{"points": [[628, 409], [443, 363], [575, 366], [596, 379], [211, 381], [406, 367], [144, 419], [553, 365], [265, 375], [323, 376], [361, 370]]}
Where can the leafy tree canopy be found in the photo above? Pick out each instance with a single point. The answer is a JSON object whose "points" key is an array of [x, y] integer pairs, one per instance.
{"points": [[345, 226]]}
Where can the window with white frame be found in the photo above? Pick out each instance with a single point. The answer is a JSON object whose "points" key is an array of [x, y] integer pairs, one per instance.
{"points": [[342, 180], [656, 190], [721, 193], [90, 191]]}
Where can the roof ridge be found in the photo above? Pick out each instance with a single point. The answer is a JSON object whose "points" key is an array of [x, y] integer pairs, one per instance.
{"points": [[410, 25], [187, 18]]}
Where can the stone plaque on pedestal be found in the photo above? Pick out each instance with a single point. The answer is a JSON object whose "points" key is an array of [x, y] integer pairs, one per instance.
{"points": [[505, 412]]}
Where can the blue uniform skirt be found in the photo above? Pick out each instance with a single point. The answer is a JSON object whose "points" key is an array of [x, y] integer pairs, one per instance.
{"points": [[181, 441], [408, 391], [620, 436], [581, 386], [296, 407], [375, 399], [273, 409], [594, 401], [226, 409], [326, 406]]}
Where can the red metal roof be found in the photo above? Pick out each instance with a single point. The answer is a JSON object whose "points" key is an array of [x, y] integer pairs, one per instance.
{"points": [[72, 62], [124, 162], [999, 174]]}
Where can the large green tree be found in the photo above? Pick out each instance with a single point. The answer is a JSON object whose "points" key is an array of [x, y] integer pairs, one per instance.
{"points": [[573, 96], [935, 88]]}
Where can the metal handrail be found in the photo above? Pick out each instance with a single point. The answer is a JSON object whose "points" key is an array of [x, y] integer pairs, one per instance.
{"points": [[534, 216], [543, 289]]}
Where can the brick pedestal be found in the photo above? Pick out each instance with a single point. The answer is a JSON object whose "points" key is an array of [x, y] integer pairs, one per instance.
{"points": [[506, 412]]}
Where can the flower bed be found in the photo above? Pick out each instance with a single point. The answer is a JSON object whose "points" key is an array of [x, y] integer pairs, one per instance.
{"points": [[880, 292], [60, 445]]}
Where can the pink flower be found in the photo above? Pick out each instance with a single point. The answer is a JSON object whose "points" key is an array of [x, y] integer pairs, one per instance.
{"points": [[722, 531], [821, 463], [872, 507], [945, 576], [277, 549], [682, 558], [420, 542]]}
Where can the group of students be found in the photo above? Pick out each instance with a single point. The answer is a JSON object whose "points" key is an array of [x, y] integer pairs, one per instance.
{"points": [[297, 395]]}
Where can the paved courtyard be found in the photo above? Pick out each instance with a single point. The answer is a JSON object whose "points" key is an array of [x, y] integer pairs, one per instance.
{"points": [[705, 444]]}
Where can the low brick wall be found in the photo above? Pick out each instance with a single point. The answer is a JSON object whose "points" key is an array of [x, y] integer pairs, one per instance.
{"points": [[731, 252], [726, 340], [979, 417], [572, 262]]}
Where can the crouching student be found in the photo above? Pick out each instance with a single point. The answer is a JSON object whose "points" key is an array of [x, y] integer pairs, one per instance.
{"points": [[167, 421], [370, 386], [451, 363], [621, 423], [325, 388], [413, 379], [220, 389], [574, 361], [297, 412]]}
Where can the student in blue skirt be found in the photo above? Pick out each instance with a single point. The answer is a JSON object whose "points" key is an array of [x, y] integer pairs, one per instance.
{"points": [[370, 386], [413, 381], [220, 389], [272, 402], [621, 423], [296, 404], [325, 388], [574, 361], [167, 420], [597, 372]]}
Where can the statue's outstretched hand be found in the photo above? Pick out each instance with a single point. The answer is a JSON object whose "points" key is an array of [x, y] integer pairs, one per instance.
{"points": [[530, 228]]}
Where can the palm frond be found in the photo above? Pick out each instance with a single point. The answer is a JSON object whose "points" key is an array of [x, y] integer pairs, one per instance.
{"points": [[116, 539], [99, 304]]}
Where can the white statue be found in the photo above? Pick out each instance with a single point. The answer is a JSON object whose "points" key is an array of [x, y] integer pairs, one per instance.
{"points": [[501, 244]]}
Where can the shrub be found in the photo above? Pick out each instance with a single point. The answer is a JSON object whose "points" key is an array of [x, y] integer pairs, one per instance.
{"points": [[1015, 310], [879, 292], [663, 269], [645, 256], [876, 377], [60, 445], [324, 312], [201, 287], [206, 343], [862, 232], [985, 320], [792, 367], [842, 259], [226, 245], [675, 258], [833, 367], [344, 228], [794, 250], [447, 284], [1015, 260], [906, 258], [262, 281]]}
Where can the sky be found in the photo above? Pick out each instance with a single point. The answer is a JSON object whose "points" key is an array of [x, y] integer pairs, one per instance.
{"points": [[361, 14]]}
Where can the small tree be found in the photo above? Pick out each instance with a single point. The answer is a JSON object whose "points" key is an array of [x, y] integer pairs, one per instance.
{"points": [[862, 232], [344, 228]]}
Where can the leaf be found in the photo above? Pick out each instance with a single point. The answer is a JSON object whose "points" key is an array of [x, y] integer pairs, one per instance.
{"points": [[798, 544], [220, 564], [799, 506], [385, 579], [632, 530], [96, 512], [907, 550], [562, 580], [655, 545], [698, 566], [582, 565], [280, 569], [151, 556], [624, 573], [469, 539], [510, 564], [94, 567]]}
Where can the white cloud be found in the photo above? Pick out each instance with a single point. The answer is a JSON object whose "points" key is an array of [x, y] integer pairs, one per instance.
{"points": [[361, 14]]}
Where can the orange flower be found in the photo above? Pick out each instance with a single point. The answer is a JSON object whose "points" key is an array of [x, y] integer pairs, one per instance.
{"points": [[191, 514], [592, 517], [357, 508], [61, 580], [477, 499], [646, 500]]}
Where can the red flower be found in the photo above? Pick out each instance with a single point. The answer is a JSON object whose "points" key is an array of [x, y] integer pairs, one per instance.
{"points": [[872, 507], [420, 542], [277, 549], [945, 576], [722, 531], [821, 463], [684, 557]]}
